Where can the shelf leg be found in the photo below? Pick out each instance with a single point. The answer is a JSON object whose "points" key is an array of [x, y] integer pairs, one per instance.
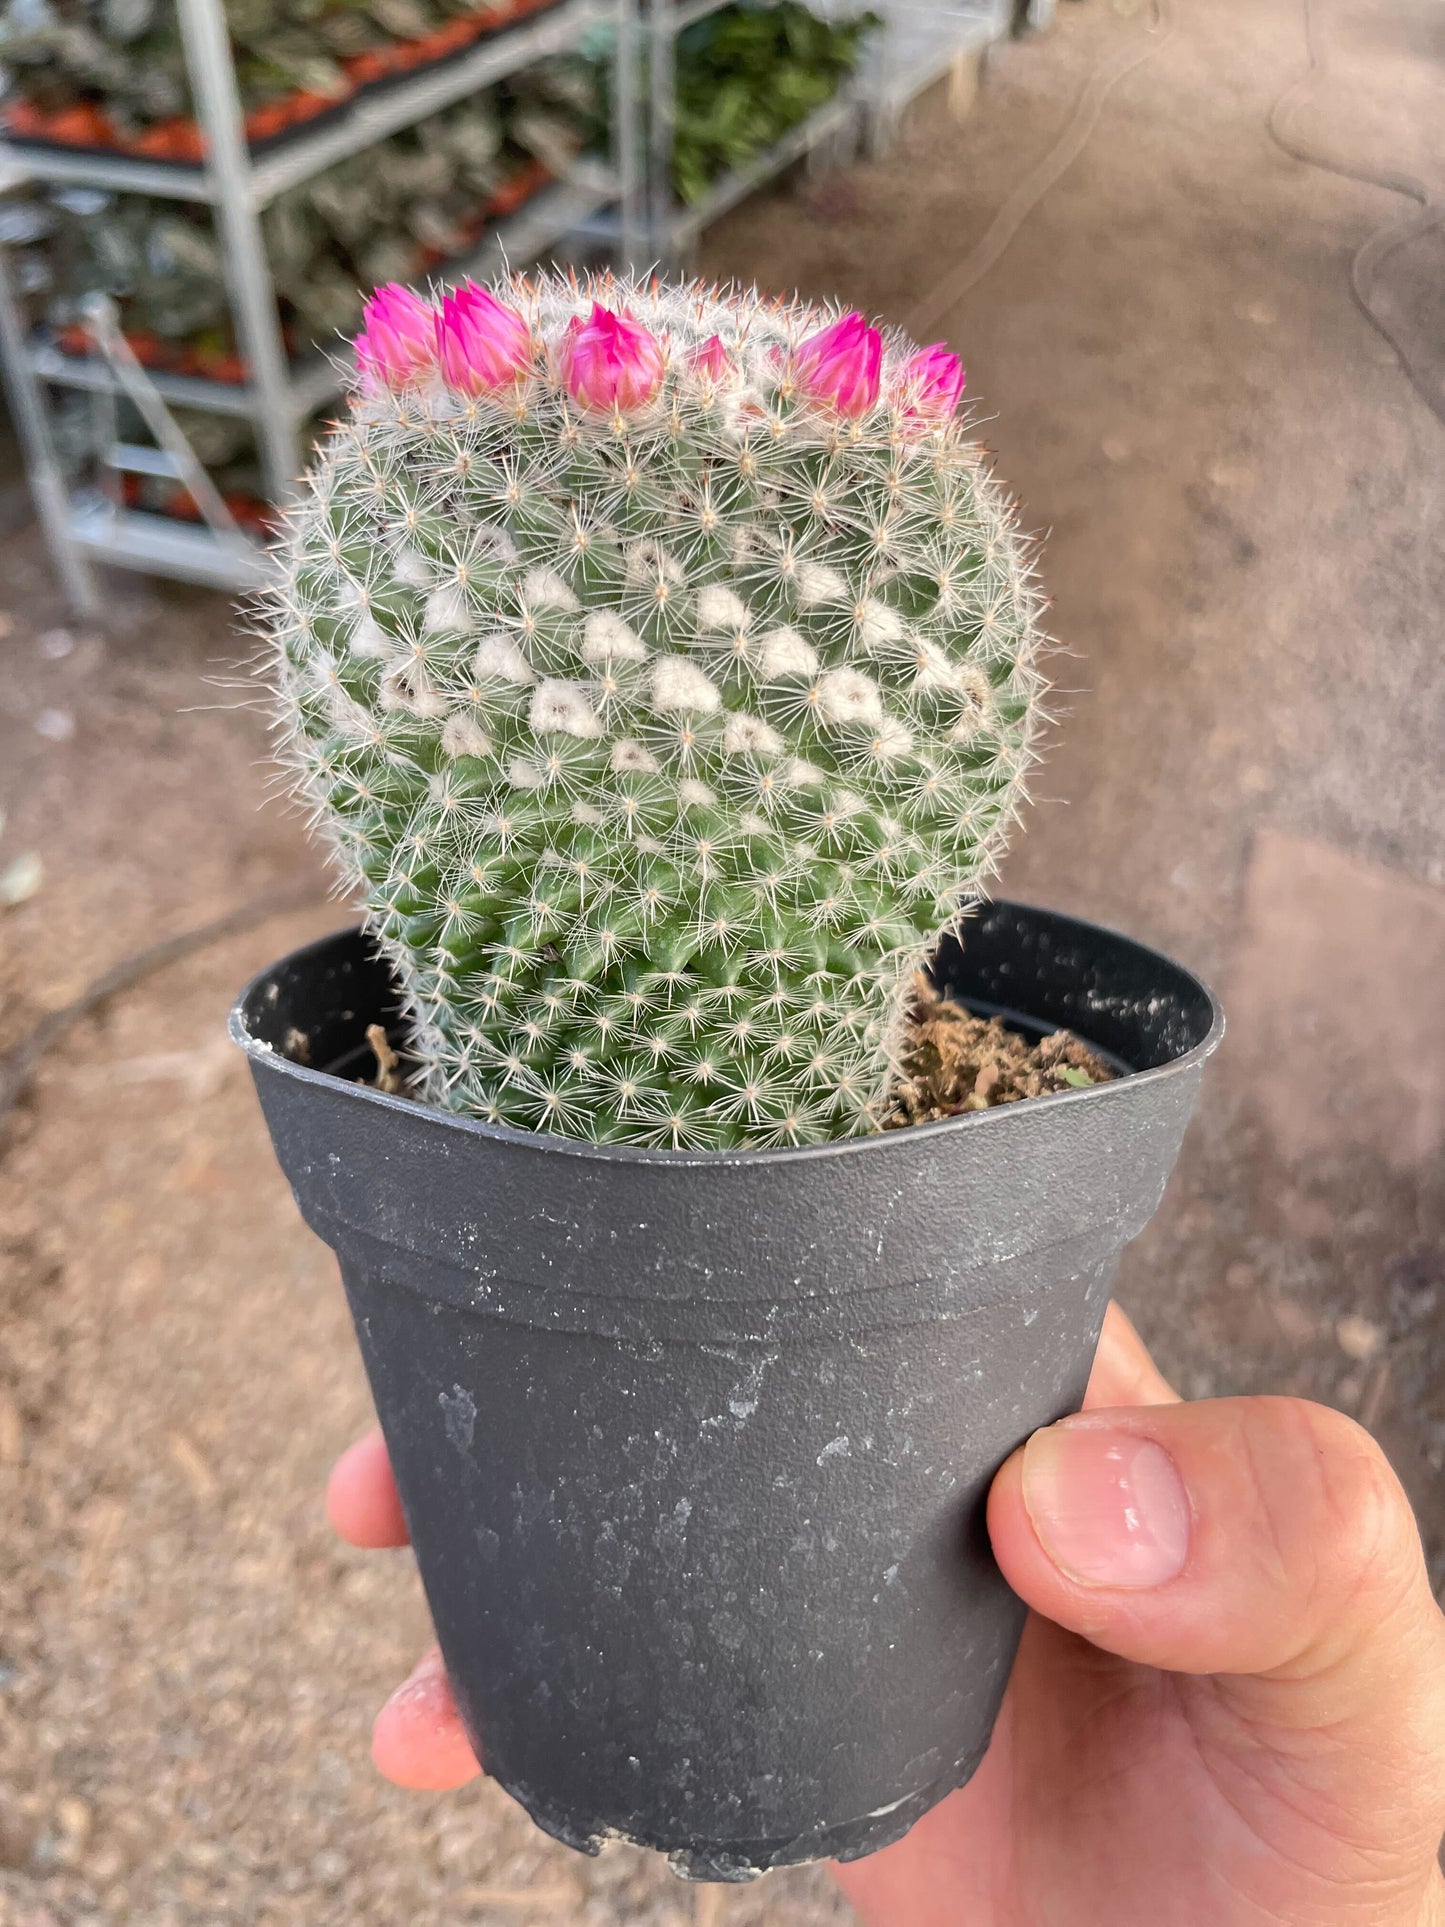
{"points": [[47, 485], [248, 276], [661, 127], [633, 237]]}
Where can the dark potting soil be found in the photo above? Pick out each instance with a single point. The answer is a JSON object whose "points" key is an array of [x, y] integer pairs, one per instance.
{"points": [[952, 1061]]}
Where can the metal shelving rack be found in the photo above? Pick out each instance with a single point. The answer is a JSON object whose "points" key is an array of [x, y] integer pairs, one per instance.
{"points": [[918, 43], [674, 230], [829, 136], [278, 397]]}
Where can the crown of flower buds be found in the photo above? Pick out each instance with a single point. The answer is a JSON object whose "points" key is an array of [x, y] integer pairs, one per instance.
{"points": [[608, 361]]}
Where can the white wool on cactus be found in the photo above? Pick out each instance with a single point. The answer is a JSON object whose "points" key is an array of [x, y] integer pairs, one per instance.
{"points": [[663, 665]]}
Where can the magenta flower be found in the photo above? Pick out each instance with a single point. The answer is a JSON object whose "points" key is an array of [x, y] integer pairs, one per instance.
{"points": [[609, 361], [480, 344], [842, 365], [400, 335], [711, 360], [932, 381]]}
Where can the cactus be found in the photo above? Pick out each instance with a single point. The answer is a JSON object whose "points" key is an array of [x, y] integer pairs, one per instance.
{"points": [[662, 665]]}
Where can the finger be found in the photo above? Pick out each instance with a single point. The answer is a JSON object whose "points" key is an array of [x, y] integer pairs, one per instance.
{"points": [[1124, 1373], [418, 1740], [1262, 1536], [362, 1502]]}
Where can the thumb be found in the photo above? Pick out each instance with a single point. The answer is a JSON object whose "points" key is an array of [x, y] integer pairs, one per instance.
{"points": [[1261, 1538]]}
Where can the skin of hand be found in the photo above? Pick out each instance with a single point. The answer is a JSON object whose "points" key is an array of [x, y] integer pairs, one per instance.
{"points": [[1228, 1709]]}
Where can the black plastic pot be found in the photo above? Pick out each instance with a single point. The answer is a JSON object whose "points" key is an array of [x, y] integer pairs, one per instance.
{"points": [[694, 1448]]}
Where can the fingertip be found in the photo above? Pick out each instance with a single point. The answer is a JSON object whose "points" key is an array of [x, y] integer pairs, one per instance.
{"points": [[1010, 1530], [1033, 1570], [418, 1740], [362, 1501]]}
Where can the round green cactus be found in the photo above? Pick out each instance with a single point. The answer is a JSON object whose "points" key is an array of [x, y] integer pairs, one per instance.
{"points": [[662, 663]]}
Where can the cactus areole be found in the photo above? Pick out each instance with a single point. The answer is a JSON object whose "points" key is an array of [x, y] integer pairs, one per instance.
{"points": [[662, 665]]}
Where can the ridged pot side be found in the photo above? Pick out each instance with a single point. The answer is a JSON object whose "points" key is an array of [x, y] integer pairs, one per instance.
{"points": [[694, 1448]]}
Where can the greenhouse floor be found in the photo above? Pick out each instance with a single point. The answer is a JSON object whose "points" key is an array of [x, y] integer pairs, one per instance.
{"points": [[1240, 494]]}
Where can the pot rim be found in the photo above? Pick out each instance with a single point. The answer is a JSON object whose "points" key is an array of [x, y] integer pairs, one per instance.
{"points": [[264, 1054]]}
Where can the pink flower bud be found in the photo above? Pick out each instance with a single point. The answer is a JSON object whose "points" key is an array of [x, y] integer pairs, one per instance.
{"points": [[842, 365], [400, 334], [931, 382], [480, 345], [609, 361], [711, 360]]}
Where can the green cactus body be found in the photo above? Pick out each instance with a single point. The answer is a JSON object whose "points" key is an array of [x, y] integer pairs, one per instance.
{"points": [[662, 745]]}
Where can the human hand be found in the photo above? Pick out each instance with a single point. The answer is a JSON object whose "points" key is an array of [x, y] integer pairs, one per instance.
{"points": [[1228, 1709]]}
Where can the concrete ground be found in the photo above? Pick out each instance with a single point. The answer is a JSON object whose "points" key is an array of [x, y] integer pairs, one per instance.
{"points": [[1242, 502]]}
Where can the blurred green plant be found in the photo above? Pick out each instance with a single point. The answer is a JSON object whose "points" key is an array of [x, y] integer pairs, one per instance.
{"points": [[746, 76]]}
